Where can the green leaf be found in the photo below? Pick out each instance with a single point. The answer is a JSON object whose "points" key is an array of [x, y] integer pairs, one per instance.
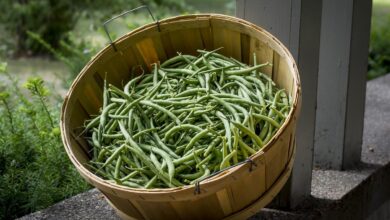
{"points": [[3, 67]]}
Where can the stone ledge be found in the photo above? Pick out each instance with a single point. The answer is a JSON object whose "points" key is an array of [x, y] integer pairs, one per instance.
{"points": [[355, 194]]}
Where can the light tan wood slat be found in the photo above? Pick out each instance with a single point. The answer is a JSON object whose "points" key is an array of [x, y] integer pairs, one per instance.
{"points": [[160, 210], [273, 164], [125, 205], [225, 201], [186, 41], [159, 47], [77, 118], [199, 209], [248, 190], [245, 48], [229, 40], [275, 67], [91, 99], [168, 48], [120, 69], [206, 34], [263, 53], [78, 152], [283, 80], [148, 52]]}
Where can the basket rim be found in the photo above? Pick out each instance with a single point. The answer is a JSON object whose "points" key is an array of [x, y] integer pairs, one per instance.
{"points": [[223, 175]]}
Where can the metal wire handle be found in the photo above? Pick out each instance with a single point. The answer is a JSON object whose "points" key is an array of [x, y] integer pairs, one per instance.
{"points": [[125, 13]]}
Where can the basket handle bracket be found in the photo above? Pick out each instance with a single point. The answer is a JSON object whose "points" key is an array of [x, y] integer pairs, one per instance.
{"points": [[125, 13]]}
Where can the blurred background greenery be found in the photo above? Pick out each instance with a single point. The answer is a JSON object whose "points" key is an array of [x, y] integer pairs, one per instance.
{"points": [[53, 40], [379, 51]]}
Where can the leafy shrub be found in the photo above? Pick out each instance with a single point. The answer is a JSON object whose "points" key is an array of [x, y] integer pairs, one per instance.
{"points": [[35, 171], [53, 19], [50, 18], [74, 54]]}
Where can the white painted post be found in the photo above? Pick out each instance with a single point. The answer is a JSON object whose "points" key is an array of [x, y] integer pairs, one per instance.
{"points": [[297, 24], [341, 88], [360, 38]]}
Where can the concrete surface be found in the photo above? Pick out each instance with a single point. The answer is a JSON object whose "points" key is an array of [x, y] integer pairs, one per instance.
{"points": [[362, 193], [88, 205]]}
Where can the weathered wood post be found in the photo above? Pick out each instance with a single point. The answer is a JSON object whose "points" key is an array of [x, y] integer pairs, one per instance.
{"points": [[345, 33]]}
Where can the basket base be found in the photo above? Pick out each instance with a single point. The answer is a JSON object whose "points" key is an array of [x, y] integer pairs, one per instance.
{"points": [[251, 209]]}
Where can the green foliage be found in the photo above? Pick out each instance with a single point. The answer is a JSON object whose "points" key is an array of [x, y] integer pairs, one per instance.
{"points": [[74, 54], [50, 18], [53, 19], [379, 52], [35, 171]]}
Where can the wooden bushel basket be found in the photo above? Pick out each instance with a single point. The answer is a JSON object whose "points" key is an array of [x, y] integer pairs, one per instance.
{"points": [[236, 193]]}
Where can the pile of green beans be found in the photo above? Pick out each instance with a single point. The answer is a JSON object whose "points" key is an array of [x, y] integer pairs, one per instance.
{"points": [[187, 119]]}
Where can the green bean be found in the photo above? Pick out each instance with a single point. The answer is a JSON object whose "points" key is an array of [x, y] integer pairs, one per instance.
{"points": [[205, 174], [225, 163], [145, 131], [268, 119], [175, 59], [170, 182], [192, 176], [187, 158], [103, 116], [235, 144], [161, 143], [113, 156], [180, 127], [154, 159], [151, 182], [153, 105], [130, 175], [170, 102], [257, 140], [226, 124], [131, 184], [113, 136], [196, 138], [205, 160], [165, 156], [94, 122], [245, 71], [245, 146], [227, 106], [131, 83], [212, 145], [117, 167]]}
